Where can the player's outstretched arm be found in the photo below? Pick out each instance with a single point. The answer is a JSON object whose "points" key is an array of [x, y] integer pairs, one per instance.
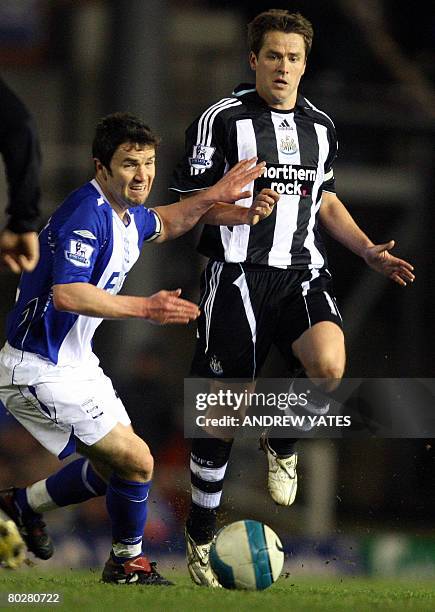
{"points": [[339, 223], [230, 214], [162, 308], [179, 218], [19, 252]]}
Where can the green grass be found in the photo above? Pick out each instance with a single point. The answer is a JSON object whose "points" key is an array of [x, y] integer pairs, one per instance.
{"points": [[82, 592]]}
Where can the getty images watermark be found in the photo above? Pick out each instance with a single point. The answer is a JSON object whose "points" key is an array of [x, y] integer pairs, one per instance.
{"points": [[390, 408], [241, 404]]}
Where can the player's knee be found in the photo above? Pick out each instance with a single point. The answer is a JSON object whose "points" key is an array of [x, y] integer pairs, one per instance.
{"points": [[326, 366], [135, 461], [140, 461]]}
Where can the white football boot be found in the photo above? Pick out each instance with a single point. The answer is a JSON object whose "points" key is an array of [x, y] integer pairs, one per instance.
{"points": [[282, 478], [198, 563]]}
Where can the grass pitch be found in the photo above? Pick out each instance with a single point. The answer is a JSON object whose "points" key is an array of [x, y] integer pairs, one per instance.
{"points": [[81, 592]]}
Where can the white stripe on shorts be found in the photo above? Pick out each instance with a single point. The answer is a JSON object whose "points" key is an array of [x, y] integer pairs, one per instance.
{"points": [[307, 284], [306, 308], [331, 303], [241, 283], [216, 270]]}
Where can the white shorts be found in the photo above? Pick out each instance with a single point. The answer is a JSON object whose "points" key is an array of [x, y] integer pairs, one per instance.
{"points": [[58, 405]]}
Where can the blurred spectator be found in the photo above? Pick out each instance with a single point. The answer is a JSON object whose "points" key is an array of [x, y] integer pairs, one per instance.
{"points": [[19, 145], [146, 395], [152, 401]]}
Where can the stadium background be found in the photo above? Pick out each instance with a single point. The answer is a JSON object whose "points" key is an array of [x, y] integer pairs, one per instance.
{"points": [[363, 505]]}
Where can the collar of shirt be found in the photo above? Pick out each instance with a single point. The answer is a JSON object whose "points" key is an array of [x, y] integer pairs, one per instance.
{"points": [[248, 91]]}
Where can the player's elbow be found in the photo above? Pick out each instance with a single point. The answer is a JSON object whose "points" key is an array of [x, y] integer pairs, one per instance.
{"points": [[62, 298]]}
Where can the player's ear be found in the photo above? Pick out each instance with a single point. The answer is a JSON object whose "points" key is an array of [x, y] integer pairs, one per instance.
{"points": [[100, 168], [253, 61]]}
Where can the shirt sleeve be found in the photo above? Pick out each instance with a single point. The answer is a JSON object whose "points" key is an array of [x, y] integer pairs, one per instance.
{"points": [[204, 160], [148, 223], [80, 242], [19, 146], [329, 178]]}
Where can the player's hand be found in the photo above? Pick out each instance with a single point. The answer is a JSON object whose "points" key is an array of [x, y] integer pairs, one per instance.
{"points": [[380, 259], [19, 252], [229, 188], [262, 206], [167, 308]]}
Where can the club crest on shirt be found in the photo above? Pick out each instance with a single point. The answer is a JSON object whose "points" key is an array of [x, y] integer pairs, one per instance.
{"points": [[288, 146], [201, 157], [79, 253]]}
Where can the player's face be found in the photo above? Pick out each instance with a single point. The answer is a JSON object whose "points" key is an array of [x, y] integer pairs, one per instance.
{"points": [[132, 174], [278, 68]]}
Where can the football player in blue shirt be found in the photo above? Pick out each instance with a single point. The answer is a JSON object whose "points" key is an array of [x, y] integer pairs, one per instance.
{"points": [[50, 379]]}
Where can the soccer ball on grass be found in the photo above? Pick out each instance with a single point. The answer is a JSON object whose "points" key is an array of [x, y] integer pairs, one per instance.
{"points": [[247, 555]]}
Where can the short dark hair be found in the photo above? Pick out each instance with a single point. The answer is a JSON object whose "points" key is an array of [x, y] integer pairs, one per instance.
{"points": [[113, 130], [281, 21]]}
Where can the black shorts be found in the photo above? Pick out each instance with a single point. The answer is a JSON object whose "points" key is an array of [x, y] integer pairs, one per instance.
{"points": [[246, 310]]}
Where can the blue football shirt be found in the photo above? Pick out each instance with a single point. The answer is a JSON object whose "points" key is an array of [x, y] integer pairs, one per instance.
{"points": [[84, 241]]}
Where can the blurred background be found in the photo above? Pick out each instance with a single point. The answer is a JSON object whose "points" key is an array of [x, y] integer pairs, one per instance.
{"points": [[363, 505]]}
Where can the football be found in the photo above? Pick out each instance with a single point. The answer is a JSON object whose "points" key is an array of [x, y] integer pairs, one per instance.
{"points": [[247, 555], [12, 547]]}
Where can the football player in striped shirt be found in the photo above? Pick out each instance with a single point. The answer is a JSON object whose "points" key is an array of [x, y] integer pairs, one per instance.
{"points": [[50, 379], [268, 283]]}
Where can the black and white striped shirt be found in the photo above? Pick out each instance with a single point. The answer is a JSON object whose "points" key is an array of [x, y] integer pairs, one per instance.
{"points": [[299, 147]]}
